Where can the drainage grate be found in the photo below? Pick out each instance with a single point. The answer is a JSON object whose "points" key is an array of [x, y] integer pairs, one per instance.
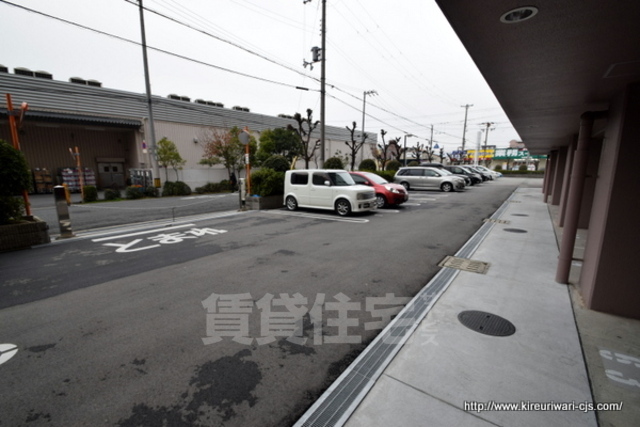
{"points": [[496, 221], [515, 230], [465, 264], [519, 214], [514, 201], [487, 323]]}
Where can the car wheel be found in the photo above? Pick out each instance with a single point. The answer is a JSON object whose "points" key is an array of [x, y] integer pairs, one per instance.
{"points": [[343, 207], [292, 204], [405, 185], [381, 201], [446, 187]]}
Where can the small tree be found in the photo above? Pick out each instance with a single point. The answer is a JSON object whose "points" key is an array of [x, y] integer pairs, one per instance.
{"points": [[417, 152], [305, 126], [14, 178], [281, 142], [168, 156], [354, 145], [224, 147]]}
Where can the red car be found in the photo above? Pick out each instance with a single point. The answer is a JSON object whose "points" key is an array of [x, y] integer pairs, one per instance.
{"points": [[386, 193]]}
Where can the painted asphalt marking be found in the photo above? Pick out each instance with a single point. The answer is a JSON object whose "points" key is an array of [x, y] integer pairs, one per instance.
{"points": [[326, 218], [7, 351], [411, 204], [120, 236]]}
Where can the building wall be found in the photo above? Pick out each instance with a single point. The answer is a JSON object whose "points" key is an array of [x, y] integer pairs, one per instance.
{"points": [[609, 278]]}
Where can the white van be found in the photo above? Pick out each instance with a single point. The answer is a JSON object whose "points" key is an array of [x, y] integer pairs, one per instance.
{"points": [[332, 189]]}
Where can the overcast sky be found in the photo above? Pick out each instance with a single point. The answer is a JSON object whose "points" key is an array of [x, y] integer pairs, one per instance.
{"points": [[250, 53]]}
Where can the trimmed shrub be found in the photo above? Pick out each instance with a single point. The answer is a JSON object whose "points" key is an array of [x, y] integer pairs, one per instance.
{"points": [[212, 187], [90, 193], [277, 163], [388, 175], [112, 194], [11, 209], [177, 188], [393, 165], [367, 165], [151, 192], [522, 168], [134, 192], [498, 168], [267, 182], [333, 163], [413, 163], [182, 189]]}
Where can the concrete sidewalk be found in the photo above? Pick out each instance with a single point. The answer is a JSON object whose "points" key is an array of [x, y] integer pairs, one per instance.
{"points": [[445, 373]]}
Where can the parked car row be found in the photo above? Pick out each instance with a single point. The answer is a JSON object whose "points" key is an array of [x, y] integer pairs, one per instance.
{"points": [[347, 192]]}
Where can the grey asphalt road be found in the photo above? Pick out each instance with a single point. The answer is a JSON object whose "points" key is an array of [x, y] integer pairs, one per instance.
{"points": [[175, 326]]}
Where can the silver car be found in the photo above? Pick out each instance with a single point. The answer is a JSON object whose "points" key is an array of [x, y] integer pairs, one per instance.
{"points": [[429, 178]]}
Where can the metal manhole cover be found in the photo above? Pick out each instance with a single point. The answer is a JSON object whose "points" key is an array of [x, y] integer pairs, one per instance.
{"points": [[465, 264], [487, 323], [515, 230], [497, 221]]}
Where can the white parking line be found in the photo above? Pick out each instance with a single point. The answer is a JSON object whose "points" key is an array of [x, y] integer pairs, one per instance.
{"points": [[411, 204], [326, 218], [140, 233]]}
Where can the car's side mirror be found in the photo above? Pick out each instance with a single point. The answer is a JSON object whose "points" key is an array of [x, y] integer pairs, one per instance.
{"points": [[327, 183]]}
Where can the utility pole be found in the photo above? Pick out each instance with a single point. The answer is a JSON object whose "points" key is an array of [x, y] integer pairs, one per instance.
{"points": [[152, 130], [486, 136], [323, 77], [364, 103], [464, 130], [323, 57]]}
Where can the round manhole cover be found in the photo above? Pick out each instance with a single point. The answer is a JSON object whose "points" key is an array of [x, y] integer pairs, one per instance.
{"points": [[515, 230], [519, 214], [487, 323]]}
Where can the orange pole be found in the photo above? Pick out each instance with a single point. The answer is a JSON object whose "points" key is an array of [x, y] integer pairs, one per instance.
{"points": [[80, 174], [16, 145], [248, 171]]}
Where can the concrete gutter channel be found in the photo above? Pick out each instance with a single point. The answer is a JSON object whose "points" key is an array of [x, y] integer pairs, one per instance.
{"points": [[574, 364]]}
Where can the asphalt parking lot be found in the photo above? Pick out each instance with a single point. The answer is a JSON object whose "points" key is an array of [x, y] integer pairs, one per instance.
{"points": [[122, 325]]}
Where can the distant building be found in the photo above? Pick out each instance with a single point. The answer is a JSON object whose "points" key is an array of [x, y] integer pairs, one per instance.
{"points": [[111, 130]]}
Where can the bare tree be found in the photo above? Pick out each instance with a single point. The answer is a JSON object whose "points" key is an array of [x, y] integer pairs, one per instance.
{"points": [[395, 149], [305, 128], [381, 152], [354, 145]]}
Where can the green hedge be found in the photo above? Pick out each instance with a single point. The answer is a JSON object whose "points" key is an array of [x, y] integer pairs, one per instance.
{"points": [[267, 182]]}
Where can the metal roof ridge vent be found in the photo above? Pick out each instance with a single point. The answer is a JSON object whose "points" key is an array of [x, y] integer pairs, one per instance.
{"points": [[43, 75], [77, 80], [3, 69], [94, 83], [22, 71]]}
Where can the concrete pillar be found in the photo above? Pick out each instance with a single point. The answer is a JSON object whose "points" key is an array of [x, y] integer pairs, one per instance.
{"points": [[558, 179], [548, 176], [574, 198], [567, 181], [609, 278]]}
